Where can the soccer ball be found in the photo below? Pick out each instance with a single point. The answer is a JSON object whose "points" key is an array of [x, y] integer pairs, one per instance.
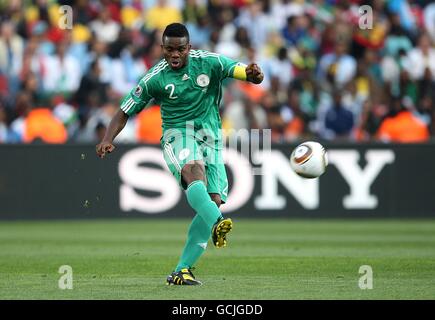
{"points": [[309, 159]]}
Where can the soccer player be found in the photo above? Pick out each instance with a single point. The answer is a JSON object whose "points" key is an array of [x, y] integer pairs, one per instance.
{"points": [[188, 86]]}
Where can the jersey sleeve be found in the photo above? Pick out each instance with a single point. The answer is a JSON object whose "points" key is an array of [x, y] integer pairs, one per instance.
{"points": [[136, 100], [230, 68]]}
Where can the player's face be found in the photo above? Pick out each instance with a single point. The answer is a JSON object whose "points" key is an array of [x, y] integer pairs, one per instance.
{"points": [[175, 51]]}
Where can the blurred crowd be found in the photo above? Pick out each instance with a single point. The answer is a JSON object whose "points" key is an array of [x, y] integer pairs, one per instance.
{"points": [[330, 72]]}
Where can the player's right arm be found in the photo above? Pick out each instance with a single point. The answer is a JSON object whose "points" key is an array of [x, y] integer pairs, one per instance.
{"points": [[132, 103], [116, 125]]}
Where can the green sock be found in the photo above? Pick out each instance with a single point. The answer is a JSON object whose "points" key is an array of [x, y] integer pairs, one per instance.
{"points": [[201, 202], [196, 243], [207, 214]]}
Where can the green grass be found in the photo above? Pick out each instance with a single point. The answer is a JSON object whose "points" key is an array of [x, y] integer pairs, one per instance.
{"points": [[265, 259]]}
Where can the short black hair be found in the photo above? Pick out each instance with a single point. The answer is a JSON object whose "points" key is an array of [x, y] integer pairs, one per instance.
{"points": [[177, 30]]}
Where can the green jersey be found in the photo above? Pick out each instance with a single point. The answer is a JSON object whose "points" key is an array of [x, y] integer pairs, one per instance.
{"points": [[191, 93]]}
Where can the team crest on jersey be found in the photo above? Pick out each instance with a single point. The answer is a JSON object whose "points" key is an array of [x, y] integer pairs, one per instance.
{"points": [[137, 91], [203, 80]]}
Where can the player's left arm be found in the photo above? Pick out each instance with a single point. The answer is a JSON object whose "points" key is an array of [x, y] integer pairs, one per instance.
{"points": [[230, 68], [251, 73]]}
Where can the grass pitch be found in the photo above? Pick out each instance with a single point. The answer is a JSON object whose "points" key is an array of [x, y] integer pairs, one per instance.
{"points": [[265, 259]]}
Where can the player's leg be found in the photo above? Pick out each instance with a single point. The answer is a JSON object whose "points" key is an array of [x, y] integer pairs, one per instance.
{"points": [[185, 162], [217, 188], [196, 243], [194, 175], [178, 150], [217, 181], [197, 239], [216, 198], [184, 158], [200, 230]]}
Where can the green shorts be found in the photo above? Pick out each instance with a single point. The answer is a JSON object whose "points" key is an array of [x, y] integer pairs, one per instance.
{"points": [[181, 146]]}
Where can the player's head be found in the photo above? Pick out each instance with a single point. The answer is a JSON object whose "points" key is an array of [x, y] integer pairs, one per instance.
{"points": [[176, 45]]}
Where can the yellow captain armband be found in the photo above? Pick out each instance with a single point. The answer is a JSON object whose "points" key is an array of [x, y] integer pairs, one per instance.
{"points": [[240, 72]]}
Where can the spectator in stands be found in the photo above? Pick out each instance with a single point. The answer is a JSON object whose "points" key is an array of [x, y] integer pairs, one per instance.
{"points": [[67, 114], [62, 72], [82, 14], [4, 130], [126, 66], [98, 52], [293, 32], [149, 125], [41, 125], [23, 105], [308, 91], [338, 68], [279, 67], [425, 110], [339, 120], [402, 126], [91, 87], [102, 116], [131, 16], [256, 23], [192, 12], [105, 28], [199, 32], [282, 10], [275, 120], [295, 119], [31, 85], [162, 14], [422, 59], [397, 39], [243, 114], [11, 54], [369, 121], [403, 9], [429, 19]]}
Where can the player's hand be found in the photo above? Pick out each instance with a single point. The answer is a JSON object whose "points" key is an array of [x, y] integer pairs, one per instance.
{"points": [[254, 74], [103, 148]]}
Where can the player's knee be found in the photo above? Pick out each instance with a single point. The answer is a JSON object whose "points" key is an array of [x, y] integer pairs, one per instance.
{"points": [[192, 172], [216, 198]]}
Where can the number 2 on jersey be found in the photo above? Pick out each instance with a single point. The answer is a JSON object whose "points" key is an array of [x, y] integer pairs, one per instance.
{"points": [[171, 86]]}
